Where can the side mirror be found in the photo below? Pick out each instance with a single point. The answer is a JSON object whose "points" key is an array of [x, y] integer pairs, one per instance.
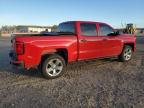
{"points": [[117, 32], [114, 33]]}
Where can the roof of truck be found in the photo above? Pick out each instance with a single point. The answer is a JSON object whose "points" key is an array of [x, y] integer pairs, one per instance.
{"points": [[86, 22]]}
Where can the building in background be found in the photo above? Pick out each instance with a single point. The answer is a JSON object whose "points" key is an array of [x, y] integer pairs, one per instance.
{"points": [[6, 31], [32, 29]]}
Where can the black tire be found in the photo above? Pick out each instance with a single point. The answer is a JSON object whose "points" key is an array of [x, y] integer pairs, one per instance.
{"points": [[50, 67], [123, 57]]}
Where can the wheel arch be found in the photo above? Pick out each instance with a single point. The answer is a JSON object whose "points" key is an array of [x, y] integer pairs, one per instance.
{"points": [[132, 45], [63, 52]]}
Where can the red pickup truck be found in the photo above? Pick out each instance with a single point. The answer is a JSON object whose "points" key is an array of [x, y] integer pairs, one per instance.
{"points": [[74, 41]]}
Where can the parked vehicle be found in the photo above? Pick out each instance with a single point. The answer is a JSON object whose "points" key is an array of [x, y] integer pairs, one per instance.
{"points": [[74, 41]]}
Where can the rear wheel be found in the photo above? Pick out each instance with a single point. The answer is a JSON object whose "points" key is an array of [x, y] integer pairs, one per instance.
{"points": [[126, 54], [53, 66]]}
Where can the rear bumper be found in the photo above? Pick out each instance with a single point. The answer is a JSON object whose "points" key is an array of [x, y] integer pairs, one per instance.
{"points": [[14, 61]]}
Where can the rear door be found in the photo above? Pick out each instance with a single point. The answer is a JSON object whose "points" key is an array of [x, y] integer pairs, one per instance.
{"points": [[90, 45], [112, 44]]}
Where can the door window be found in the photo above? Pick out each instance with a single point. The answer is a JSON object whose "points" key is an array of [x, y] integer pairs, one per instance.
{"points": [[88, 30], [105, 30]]}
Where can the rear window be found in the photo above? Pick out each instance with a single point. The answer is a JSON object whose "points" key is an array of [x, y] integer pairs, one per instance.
{"points": [[67, 27], [88, 29]]}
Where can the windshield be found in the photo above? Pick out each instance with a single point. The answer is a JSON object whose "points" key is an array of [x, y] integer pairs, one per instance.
{"points": [[68, 27]]}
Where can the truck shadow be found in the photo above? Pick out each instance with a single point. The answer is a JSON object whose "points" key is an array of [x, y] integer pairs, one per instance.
{"points": [[70, 67]]}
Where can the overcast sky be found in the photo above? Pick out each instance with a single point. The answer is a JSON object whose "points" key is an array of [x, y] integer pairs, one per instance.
{"points": [[50, 12]]}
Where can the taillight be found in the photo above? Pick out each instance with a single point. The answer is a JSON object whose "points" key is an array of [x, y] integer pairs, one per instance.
{"points": [[19, 48]]}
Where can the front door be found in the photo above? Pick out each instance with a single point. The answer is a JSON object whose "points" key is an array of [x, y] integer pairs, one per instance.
{"points": [[112, 44]]}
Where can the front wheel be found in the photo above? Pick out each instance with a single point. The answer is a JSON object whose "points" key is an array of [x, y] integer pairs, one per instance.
{"points": [[126, 54], [53, 66]]}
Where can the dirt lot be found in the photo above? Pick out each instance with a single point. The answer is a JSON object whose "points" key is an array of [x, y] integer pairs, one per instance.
{"points": [[93, 84]]}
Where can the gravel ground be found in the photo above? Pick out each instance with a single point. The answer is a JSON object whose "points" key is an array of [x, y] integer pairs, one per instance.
{"points": [[103, 83]]}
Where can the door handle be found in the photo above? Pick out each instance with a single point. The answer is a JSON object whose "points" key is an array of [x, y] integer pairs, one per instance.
{"points": [[105, 39], [83, 40]]}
